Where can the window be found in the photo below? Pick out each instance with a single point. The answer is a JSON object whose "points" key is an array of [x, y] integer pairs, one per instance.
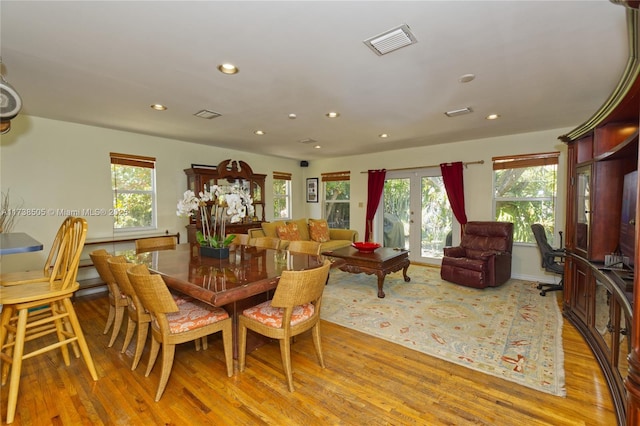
{"points": [[281, 195], [525, 193], [134, 191], [337, 194]]}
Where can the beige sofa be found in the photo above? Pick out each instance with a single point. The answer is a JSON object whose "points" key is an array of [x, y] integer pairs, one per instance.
{"points": [[303, 229]]}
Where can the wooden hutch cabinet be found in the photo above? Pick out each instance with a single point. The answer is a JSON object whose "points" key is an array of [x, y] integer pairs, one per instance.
{"points": [[601, 297], [228, 172]]}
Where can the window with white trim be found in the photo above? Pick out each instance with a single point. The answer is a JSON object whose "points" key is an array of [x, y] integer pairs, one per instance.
{"points": [[134, 192], [281, 195], [337, 199]]}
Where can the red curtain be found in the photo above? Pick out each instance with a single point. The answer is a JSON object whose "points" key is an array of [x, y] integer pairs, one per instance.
{"points": [[454, 185], [375, 187]]}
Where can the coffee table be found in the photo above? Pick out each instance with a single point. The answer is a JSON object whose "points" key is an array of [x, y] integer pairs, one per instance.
{"points": [[381, 262]]}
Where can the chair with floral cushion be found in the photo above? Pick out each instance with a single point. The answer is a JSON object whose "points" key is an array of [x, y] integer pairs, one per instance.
{"points": [[266, 242], [155, 243], [172, 324], [118, 301], [306, 247], [294, 309]]}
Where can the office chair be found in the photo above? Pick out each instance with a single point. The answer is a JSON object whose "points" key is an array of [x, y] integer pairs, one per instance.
{"points": [[552, 259]]}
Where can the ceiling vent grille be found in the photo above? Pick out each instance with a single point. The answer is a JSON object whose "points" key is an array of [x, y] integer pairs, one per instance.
{"points": [[456, 112], [308, 140], [391, 40], [205, 113]]}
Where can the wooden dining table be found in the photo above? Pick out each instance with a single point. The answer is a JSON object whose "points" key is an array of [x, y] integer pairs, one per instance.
{"points": [[247, 277]]}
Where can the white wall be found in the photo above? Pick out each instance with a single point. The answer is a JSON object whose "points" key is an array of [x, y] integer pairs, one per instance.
{"points": [[478, 180], [57, 165]]}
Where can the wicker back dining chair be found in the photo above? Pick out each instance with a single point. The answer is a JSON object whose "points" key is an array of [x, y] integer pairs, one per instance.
{"points": [[172, 324], [294, 309], [266, 242], [54, 293], [23, 277], [156, 243], [118, 301], [240, 239], [303, 246]]}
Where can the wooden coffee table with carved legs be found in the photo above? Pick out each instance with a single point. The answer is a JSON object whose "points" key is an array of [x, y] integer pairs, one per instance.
{"points": [[381, 262]]}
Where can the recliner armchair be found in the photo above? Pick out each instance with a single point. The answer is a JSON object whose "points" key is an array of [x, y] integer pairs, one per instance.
{"points": [[483, 258]]}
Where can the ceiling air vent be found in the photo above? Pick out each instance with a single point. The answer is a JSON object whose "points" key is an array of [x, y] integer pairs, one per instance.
{"points": [[456, 112], [205, 113], [391, 40], [308, 140]]}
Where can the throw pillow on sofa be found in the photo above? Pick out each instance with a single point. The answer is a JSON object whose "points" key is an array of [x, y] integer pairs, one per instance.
{"points": [[288, 232], [319, 230]]}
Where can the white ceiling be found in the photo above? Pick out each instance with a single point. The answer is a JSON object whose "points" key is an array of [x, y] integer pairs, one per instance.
{"points": [[539, 64]]}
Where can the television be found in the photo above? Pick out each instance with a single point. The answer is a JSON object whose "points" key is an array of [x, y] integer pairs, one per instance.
{"points": [[628, 218]]}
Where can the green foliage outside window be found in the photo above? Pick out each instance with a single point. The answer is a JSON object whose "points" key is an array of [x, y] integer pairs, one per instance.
{"points": [[525, 196], [133, 196], [281, 196], [337, 203]]}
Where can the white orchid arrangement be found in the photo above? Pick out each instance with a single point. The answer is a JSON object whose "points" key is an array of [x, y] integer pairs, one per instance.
{"points": [[232, 202]]}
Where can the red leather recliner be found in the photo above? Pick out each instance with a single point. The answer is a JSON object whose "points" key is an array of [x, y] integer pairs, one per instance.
{"points": [[483, 258]]}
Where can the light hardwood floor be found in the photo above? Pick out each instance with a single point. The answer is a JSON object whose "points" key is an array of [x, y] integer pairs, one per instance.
{"points": [[367, 382]]}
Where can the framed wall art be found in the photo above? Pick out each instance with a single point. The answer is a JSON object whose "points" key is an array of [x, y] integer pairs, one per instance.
{"points": [[312, 190]]}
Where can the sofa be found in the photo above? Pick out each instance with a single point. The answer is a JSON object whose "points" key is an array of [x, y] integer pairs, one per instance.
{"points": [[483, 258], [303, 229]]}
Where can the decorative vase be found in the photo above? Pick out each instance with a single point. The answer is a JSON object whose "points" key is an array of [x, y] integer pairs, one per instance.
{"points": [[215, 252]]}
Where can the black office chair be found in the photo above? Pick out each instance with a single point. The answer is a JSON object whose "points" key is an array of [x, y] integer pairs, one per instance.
{"points": [[552, 259]]}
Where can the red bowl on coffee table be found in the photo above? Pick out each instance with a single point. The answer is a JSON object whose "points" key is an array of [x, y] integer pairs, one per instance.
{"points": [[364, 247]]}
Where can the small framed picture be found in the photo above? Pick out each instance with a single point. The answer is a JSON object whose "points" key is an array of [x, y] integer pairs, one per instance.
{"points": [[312, 190]]}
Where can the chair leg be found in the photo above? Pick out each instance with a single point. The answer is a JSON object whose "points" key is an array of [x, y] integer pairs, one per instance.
{"points": [[16, 364], [153, 355], [5, 338], [131, 327], [317, 343], [143, 329], [227, 344], [242, 345], [82, 343], [110, 318], [285, 353], [168, 352], [117, 324]]}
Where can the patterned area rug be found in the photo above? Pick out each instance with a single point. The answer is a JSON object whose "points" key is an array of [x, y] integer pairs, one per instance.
{"points": [[510, 331]]}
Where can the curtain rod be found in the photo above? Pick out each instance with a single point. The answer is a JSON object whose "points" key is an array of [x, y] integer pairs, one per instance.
{"points": [[427, 167]]}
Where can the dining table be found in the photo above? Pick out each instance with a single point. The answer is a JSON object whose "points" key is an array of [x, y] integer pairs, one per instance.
{"points": [[247, 277], [18, 242]]}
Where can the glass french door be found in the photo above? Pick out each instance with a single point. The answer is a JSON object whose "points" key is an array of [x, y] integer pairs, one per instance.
{"points": [[415, 214]]}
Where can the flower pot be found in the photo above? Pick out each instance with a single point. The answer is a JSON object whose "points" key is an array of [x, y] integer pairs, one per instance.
{"points": [[215, 252]]}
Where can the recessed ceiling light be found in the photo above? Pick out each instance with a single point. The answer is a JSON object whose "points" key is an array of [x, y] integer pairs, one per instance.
{"points": [[384, 135], [493, 116], [466, 78], [158, 107], [333, 114], [259, 132], [228, 69], [317, 147], [292, 116]]}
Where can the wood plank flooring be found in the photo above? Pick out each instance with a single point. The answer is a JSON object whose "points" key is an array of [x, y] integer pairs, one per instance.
{"points": [[367, 381]]}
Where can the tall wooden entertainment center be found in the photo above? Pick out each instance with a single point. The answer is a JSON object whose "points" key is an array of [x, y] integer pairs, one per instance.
{"points": [[604, 302]]}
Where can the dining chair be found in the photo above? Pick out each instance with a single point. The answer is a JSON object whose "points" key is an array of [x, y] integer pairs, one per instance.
{"points": [[303, 246], [172, 324], [240, 239], [23, 277], [155, 243], [55, 293], [294, 309], [118, 301], [266, 242]]}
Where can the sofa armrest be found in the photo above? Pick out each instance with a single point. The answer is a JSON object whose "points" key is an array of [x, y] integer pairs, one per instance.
{"points": [[456, 251], [255, 233], [343, 234]]}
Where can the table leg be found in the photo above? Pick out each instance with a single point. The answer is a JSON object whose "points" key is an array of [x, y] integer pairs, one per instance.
{"points": [[381, 276], [404, 273]]}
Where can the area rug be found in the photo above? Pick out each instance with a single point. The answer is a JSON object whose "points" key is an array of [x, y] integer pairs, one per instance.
{"points": [[510, 331]]}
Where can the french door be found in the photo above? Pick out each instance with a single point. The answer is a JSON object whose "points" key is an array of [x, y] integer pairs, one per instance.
{"points": [[415, 214]]}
